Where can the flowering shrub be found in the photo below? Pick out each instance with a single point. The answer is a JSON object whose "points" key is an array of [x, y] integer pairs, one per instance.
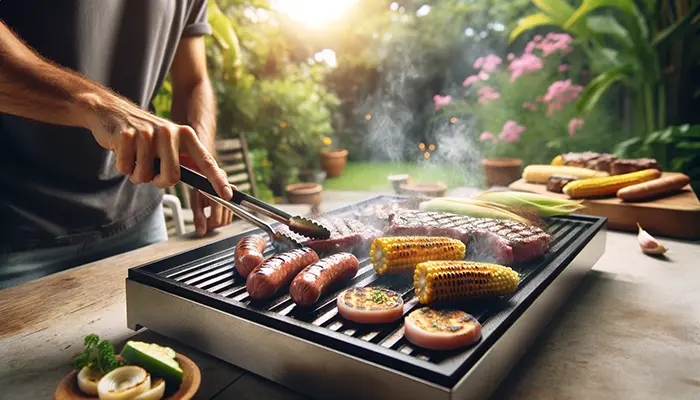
{"points": [[524, 106]]}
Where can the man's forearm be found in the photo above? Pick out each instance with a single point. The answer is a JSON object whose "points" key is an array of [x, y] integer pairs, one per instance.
{"points": [[33, 88], [196, 106]]}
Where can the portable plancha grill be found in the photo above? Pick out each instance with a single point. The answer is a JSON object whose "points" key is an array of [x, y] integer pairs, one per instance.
{"points": [[196, 297]]}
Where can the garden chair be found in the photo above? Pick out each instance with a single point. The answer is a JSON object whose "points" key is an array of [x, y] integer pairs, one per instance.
{"points": [[232, 157]]}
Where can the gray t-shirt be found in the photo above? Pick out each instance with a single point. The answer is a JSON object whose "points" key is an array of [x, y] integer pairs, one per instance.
{"points": [[57, 185]]}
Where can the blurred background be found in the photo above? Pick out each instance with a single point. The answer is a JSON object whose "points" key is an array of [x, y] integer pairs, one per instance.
{"points": [[347, 93]]}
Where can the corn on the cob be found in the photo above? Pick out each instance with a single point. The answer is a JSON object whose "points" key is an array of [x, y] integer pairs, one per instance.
{"points": [[540, 173], [558, 160], [608, 186], [458, 280], [402, 253]]}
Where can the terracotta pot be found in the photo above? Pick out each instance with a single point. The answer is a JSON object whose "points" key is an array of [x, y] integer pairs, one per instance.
{"points": [[502, 171], [424, 189], [304, 193], [334, 161], [398, 180]]}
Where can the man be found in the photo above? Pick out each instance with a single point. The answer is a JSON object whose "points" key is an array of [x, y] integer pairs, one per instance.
{"points": [[77, 145]]}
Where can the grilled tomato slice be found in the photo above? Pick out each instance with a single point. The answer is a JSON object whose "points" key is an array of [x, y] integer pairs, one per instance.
{"points": [[441, 329], [370, 305]]}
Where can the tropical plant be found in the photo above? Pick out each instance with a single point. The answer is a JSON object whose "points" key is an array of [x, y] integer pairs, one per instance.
{"points": [[674, 147], [651, 48]]}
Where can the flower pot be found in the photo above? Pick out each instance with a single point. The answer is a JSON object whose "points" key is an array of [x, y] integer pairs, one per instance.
{"points": [[334, 161], [398, 180], [502, 171], [304, 193], [313, 176], [424, 189]]}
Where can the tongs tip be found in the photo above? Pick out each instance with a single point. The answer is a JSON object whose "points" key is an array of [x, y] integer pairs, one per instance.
{"points": [[309, 228]]}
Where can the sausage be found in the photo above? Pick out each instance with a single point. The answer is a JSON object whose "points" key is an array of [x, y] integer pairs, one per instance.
{"points": [[654, 188], [277, 271], [308, 286], [248, 254]]}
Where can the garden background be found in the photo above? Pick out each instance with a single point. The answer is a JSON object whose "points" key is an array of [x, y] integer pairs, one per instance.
{"points": [[431, 88]]}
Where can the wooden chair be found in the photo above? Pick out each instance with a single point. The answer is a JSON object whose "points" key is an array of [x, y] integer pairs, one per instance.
{"points": [[232, 157]]}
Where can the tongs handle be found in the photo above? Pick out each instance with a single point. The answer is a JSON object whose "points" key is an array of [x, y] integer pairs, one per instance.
{"points": [[200, 182]]}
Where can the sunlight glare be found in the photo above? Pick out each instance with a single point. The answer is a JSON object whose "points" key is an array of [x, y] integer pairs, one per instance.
{"points": [[313, 13]]}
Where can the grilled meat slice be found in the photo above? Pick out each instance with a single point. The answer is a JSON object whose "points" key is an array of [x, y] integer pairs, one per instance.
{"points": [[377, 215], [487, 239], [347, 235]]}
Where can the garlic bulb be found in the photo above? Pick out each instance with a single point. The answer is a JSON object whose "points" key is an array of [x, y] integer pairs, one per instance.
{"points": [[648, 244], [87, 381], [124, 383]]}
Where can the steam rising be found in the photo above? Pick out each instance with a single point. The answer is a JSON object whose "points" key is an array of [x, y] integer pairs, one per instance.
{"points": [[399, 108]]}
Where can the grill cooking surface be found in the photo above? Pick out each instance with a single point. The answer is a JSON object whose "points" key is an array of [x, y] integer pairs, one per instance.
{"points": [[206, 275]]}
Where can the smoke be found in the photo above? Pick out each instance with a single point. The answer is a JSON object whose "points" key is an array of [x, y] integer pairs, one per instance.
{"points": [[400, 113]]}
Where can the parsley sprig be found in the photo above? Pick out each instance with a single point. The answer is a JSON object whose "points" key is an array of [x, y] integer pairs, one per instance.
{"points": [[98, 355]]}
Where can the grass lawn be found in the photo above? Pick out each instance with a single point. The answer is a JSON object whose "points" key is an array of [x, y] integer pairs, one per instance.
{"points": [[372, 176]]}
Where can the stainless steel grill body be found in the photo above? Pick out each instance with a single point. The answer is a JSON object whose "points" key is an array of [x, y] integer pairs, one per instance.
{"points": [[197, 298]]}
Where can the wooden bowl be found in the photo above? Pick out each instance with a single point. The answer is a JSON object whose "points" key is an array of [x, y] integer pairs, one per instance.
{"points": [[192, 377]]}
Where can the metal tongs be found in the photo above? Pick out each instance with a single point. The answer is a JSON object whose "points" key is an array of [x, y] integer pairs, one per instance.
{"points": [[297, 224]]}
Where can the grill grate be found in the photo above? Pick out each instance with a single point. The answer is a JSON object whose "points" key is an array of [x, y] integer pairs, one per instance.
{"points": [[207, 275]]}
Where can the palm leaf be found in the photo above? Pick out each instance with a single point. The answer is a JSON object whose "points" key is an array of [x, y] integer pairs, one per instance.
{"points": [[588, 6], [599, 85], [679, 29], [530, 22]]}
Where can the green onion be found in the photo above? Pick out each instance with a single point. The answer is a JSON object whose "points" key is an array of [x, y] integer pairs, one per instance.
{"points": [[545, 206], [471, 208]]}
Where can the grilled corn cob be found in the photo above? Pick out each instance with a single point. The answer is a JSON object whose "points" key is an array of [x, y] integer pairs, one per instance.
{"points": [[402, 253], [608, 186], [457, 280], [540, 173]]}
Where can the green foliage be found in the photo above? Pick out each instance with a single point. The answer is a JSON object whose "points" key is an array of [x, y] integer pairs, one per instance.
{"points": [[674, 147]]}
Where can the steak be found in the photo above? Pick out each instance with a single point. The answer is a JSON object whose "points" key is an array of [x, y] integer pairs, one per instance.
{"points": [[377, 215], [488, 240], [347, 235]]}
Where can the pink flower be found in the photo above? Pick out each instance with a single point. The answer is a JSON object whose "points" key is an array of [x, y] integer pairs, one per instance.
{"points": [[483, 76], [563, 68], [511, 56], [490, 63], [470, 80], [511, 132], [441, 101], [487, 93], [530, 105], [538, 38], [574, 124], [523, 64], [530, 46], [559, 94], [555, 42], [479, 62], [488, 136]]}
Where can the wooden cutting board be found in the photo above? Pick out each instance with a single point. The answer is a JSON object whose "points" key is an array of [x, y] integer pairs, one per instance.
{"points": [[676, 216]]}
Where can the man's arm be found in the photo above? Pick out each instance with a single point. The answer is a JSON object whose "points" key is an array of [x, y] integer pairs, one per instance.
{"points": [[193, 102], [32, 87], [194, 105]]}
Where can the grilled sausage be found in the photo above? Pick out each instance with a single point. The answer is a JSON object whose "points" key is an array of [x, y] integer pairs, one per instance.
{"points": [[308, 286], [267, 278], [654, 188], [248, 254]]}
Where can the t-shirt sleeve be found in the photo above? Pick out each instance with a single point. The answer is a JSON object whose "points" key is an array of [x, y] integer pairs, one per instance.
{"points": [[197, 23]]}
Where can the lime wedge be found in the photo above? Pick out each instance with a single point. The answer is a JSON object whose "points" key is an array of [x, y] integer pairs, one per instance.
{"points": [[159, 361]]}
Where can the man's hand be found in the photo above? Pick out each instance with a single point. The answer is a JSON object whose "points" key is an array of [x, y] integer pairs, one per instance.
{"points": [[138, 137], [218, 215]]}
